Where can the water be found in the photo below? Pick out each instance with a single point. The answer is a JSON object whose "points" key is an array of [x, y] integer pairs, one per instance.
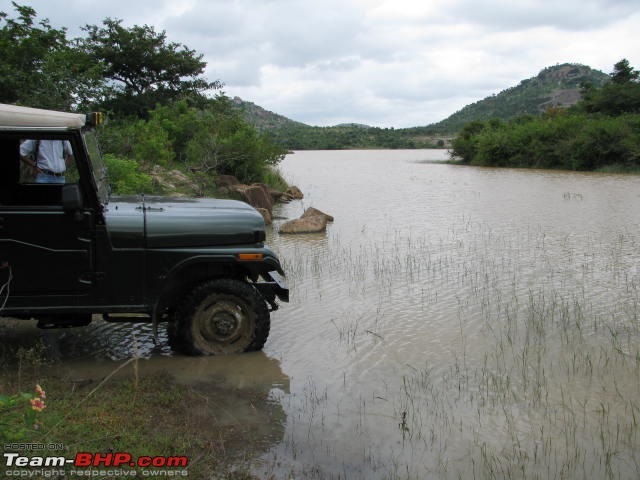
{"points": [[453, 322], [458, 321]]}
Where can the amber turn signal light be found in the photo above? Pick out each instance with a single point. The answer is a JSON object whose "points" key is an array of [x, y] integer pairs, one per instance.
{"points": [[250, 256]]}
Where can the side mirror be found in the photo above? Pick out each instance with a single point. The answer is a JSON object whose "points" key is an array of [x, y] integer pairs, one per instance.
{"points": [[71, 198]]}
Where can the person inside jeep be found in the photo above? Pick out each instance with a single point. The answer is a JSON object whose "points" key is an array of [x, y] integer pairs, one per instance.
{"points": [[48, 159]]}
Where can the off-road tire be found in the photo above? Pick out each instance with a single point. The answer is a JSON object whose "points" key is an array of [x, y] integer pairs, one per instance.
{"points": [[220, 317]]}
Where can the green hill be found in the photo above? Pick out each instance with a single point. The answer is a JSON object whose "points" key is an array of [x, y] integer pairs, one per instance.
{"points": [[557, 86], [262, 119]]}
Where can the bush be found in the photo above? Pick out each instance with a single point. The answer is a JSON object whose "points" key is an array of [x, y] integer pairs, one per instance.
{"points": [[125, 176], [209, 141]]}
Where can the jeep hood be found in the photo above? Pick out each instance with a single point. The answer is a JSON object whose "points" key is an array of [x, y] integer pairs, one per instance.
{"points": [[162, 222]]}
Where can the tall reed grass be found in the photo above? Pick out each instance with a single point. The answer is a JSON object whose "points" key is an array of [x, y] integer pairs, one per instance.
{"points": [[541, 379]]}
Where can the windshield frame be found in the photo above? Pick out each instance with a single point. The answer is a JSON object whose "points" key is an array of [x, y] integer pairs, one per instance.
{"points": [[98, 166]]}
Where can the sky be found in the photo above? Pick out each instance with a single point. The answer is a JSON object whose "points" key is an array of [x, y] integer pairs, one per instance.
{"points": [[384, 63]]}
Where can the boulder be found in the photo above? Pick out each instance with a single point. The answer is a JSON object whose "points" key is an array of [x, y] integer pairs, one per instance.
{"points": [[256, 195], [294, 193], [226, 180], [276, 195], [315, 224], [174, 181], [266, 215], [259, 196], [314, 212]]}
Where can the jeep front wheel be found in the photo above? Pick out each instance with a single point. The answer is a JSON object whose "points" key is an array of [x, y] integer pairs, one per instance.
{"points": [[220, 317]]}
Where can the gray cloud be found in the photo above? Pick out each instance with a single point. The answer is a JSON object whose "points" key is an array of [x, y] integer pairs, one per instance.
{"points": [[564, 15], [382, 62]]}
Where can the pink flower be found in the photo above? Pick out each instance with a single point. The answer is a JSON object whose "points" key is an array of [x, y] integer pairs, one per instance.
{"points": [[37, 404], [40, 392]]}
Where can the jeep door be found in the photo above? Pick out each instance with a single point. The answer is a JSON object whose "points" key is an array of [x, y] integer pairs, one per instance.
{"points": [[50, 251]]}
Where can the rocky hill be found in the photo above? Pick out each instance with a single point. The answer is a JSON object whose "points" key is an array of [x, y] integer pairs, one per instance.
{"points": [[557, 86], [262, 119]]}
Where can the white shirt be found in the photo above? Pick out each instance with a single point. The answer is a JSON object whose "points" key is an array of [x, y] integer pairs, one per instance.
{"points": [[51, 153]]}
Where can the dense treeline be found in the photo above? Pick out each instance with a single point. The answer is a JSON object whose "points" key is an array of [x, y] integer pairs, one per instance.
{"points": [[601, 132], [303, 137], [162, 113], [299, 136]]}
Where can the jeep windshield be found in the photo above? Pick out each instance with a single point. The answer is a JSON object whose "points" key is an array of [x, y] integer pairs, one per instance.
{"points": [[99, 168]]}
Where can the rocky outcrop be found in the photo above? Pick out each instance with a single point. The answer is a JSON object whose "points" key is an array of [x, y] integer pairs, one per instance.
{"points": [[314, 212], [226, 180], [304, 225], [268, 220], [262, 198], [256, 195], [311, 221], [293, 193], [175, 182]]}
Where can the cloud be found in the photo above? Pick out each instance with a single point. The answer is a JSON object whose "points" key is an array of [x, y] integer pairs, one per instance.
{"points": [[569, 15], [381, 62]]}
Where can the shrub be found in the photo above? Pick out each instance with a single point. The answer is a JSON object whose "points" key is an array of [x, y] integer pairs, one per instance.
{"points": [[125, 176]]}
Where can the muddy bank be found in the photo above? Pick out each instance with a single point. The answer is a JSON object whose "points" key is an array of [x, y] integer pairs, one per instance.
{"points": [[216, 411]]}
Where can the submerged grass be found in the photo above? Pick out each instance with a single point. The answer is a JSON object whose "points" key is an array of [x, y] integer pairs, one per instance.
{"points": [[543, 381]]}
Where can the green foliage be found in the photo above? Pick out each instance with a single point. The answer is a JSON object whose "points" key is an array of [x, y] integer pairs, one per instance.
{"points": [[465, 145], [222, 143], [612, 99], [145, 67], [125, 176], [298, 136], [178, 120], [303, 137], [25, 48], [273, 178], [205, 142], [39, 67], [145, 142], [19, 415], [624, 73], [600, 133]]}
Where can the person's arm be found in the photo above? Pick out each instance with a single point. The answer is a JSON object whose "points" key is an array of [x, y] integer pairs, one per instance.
{"points": [[68, 153], [27, 149]]}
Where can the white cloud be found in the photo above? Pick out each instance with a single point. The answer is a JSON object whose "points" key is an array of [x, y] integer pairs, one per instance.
{"points": [[382, 62]]}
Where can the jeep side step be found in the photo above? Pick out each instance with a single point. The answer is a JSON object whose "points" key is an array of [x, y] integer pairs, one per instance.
{"points": [[126, 317], [63, 321]]}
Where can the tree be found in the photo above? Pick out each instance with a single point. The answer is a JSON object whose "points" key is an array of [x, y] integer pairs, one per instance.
{"points": [[39, 67], [25, 47], [623, 72], [621, 95], [465, 145], [144, 67]]}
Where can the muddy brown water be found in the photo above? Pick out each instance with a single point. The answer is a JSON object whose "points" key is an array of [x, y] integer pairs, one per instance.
{"points": [[453, 322]]}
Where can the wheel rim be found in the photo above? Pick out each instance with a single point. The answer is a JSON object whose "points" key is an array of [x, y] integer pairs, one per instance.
{"points": [[223, 324]]}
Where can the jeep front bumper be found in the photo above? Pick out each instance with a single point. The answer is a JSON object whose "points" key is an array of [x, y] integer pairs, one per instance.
{"points": [[273, 286]]}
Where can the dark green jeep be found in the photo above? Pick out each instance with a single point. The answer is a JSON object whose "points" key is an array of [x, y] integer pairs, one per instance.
{"points": [[68, 251]]}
